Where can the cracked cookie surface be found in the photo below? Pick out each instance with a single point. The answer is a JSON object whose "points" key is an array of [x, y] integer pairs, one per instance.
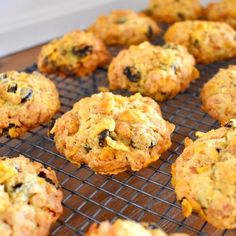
{"points": [[148, 69], [218, 95], [207, 41], [204, 176], [225, 11], [111, 133], [126, 228], [170, 11], [124, 27], [75, 54], [30, 197], [26, 100]]}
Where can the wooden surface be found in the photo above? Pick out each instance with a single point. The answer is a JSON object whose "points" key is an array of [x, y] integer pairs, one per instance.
{"points": [[20, 60]]}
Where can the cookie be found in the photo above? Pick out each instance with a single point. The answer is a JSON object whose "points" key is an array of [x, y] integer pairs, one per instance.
{"points": [[126, 228], [207, 41], [26, 100], [218, 95], [204, 176], [225, 11], [124, 27], [75, 54], [30, 197], [170, 11], [148, 69], [111, 133]]}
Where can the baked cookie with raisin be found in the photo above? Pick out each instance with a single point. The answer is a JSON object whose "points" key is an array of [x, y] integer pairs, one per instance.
{"points": [[26, 101], [75, 54], [126, 228], [124, 27], [112, 133], [224, 10], [30, 197], [170, 11], [207, 41], [204, 176], [219, 95], [148, 69]]}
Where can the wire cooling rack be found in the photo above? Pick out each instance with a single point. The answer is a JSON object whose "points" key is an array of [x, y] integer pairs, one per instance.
{"points": [[146, 195]]}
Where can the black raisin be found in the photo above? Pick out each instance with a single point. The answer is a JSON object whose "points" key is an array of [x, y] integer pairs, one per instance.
{"points": [[181, 16], [229, 124], [82, 51], [150, 32], [42, 175], [132, 74], [12, 88], [132, 144], [152, 144], [5, 131], [102, 137], [16, 186], [26, 94], [218, 150], [87, 148], [3, 78], [195, 42]]}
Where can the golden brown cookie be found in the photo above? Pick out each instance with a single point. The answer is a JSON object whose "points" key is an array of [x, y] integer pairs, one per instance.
{"points": [[30, 198], [126, 228], [224, 10], [111, 133], [124, 27], [174, 10], [204, 176], [219, 95], [26, 100], [77, 53], [207, 41], [148, 69]]}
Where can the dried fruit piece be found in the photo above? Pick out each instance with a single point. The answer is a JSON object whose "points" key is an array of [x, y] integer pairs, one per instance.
{"points": [[150, 32], [132, 74], [3, 77], [26, 94], [16, 186], [153, 144], [42, 175], [102, 137], [12, 88], [82, 51]]}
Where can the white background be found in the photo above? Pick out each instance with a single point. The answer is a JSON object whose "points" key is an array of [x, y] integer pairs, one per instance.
{"points": [[26, 23]]}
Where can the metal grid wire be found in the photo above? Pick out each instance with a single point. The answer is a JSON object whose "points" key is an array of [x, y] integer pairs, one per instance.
{"points": [[146, 195]]}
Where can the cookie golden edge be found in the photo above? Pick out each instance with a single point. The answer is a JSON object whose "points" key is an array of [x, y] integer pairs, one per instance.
{"points": [[73, 65], [215, 109], [188, 202], [17, 172], [118, 154], [114, 36], [33, 112]]}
